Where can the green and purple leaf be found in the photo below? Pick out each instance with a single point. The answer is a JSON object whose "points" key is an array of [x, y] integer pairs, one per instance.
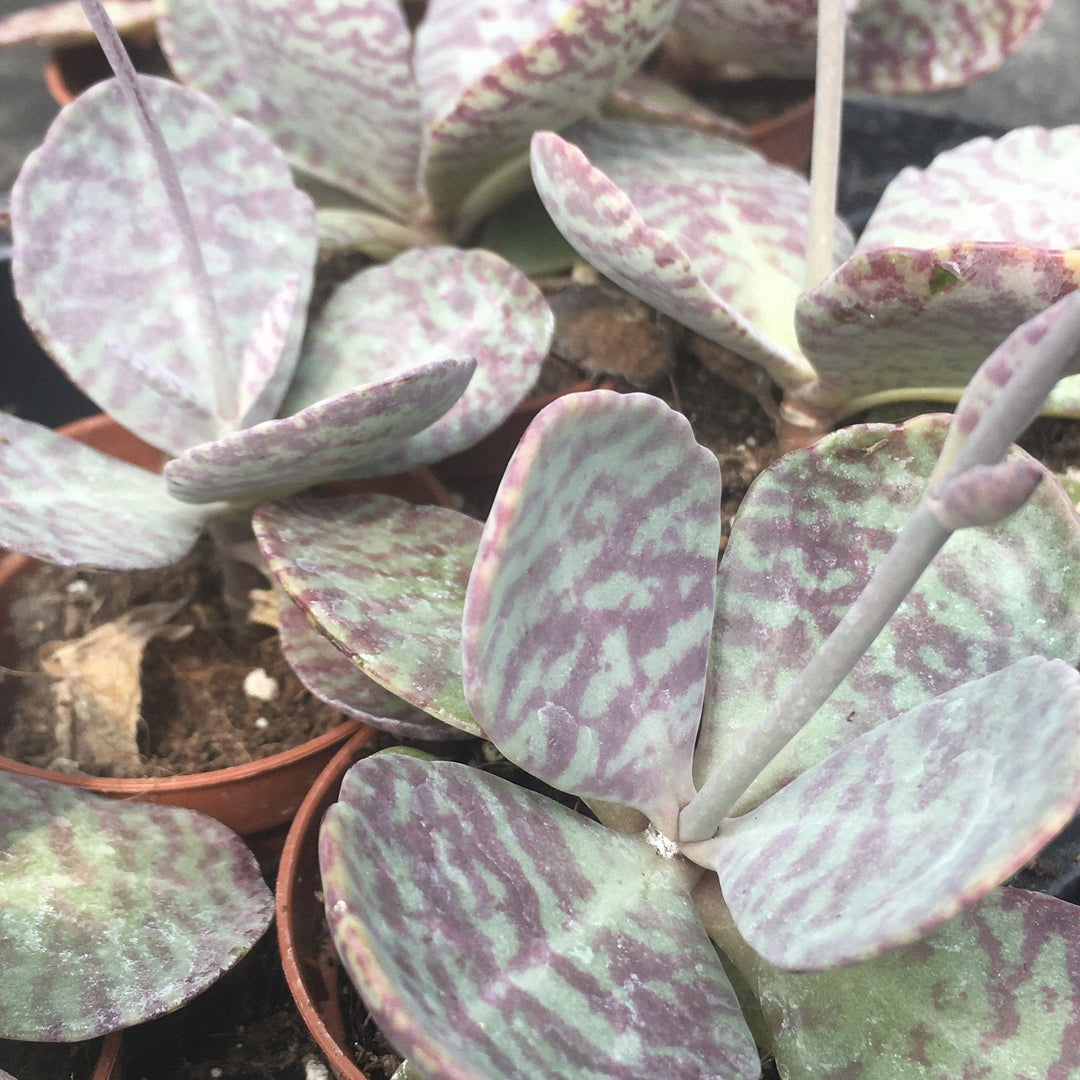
{"points": [[426, 305], [385, 581], [589, 606], [902, 828], [99, 269], [69, 504], [114, 912], [334, 439], [805, 541], [497, 935]]}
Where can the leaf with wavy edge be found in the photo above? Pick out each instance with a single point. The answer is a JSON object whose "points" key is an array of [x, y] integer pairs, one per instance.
{"points": [[332, 677], [491, 75], [496, 934], [587, 617], [949, 798], [694, 224], [385, 581], [114, 912], [123, 327], [69, 504], [894, 46], [993, 992], [428, 304], [334, 439], [803, 545], [330, 82]]}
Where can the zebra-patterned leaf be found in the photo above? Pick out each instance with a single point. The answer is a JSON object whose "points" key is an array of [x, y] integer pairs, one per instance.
{"points": [[331, 83], [385, 581], [496, 935], [805, 541], [910, 823], [334, 439], [588, 611], [114, 912], [99, 267], [428, 304], [69, 504]]}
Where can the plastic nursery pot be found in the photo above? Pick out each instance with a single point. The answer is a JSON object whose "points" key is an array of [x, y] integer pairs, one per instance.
{"points": [[307, 953], [257, 799]]}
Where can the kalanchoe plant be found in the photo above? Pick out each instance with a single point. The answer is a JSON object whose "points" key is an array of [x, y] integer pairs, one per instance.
{"points": [[603, 653]]}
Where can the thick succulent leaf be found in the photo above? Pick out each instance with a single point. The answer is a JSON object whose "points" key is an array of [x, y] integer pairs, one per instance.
{"points": [[805, 541], [428, 304], [330, 440], [385, 581], [907, 319], [491, 75], [115, 303], [994, 992], [699, 226], [331, 83], [588, 612], [69, 504], [905, 826], [114, 912], [496, 935], [894, 46], [55, 25], [332, 677]]}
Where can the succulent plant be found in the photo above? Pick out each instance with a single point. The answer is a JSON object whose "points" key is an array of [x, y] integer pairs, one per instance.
{"points": [[832, 795]]}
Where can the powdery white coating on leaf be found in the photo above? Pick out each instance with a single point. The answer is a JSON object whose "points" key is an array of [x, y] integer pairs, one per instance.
{"points": [[804, 543], [589, 606], [428, 304], [329, 80], [385, 581], [332, 677], [114, 912], [900, 829], [69, 504], [330, 440], [496, 934], [99, 269]]}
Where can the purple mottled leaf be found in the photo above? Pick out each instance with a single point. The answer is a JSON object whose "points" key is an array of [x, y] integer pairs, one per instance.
{"points": [[331, 83], [530, 942], [115, 304], [805, 541], [984, 494], [385, 581], [428, 304], [56, 25], [588, 611], [894, 46], [333, 439], [995, 992], [910, 823], [491, 75], [332, 677], [114, 912], [699, 226], [69, 504]]}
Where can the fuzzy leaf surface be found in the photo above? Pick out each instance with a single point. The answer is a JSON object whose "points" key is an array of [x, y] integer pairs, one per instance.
{"points": [[330, 440], [331, 83], [69, 504], [588, 612], [900, 829], [117, 308], [428, 304], [572, 951], [114, 912], [699, 226], [803, 545], [385, 581]]}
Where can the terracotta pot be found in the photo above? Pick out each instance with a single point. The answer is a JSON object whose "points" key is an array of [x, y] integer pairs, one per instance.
{"points": [[257, 799], [73, 68], [307, 954], [108, 1065]]}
